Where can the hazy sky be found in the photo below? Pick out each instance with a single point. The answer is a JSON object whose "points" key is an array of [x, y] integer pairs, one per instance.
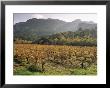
{"points": [[22, 17]]}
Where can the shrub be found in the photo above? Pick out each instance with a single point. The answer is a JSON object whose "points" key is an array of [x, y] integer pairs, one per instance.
{"points": [[34, 68]]}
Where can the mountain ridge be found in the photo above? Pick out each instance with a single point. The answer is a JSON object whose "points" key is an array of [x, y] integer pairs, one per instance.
{"points": [[33, 28]]}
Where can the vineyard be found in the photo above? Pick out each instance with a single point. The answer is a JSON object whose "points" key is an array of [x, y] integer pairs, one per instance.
{"points": [[54, 59]]}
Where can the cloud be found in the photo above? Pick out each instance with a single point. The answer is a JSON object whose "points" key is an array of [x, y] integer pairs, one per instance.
{"points": [[38, 16]]}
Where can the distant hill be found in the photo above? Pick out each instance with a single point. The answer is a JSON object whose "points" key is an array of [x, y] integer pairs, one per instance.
{"points": [[77, 38], [34, 28]]}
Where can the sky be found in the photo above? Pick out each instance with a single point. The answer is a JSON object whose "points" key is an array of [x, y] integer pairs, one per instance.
{"points": [[22, 17]]}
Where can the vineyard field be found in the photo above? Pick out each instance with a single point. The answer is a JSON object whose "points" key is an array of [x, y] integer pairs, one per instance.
{"points": [[35, 59]]}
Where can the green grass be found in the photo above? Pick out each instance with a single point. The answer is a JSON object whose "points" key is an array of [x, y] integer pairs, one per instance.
{"points": [[25, 71], [52, 69], [89, 71]]}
